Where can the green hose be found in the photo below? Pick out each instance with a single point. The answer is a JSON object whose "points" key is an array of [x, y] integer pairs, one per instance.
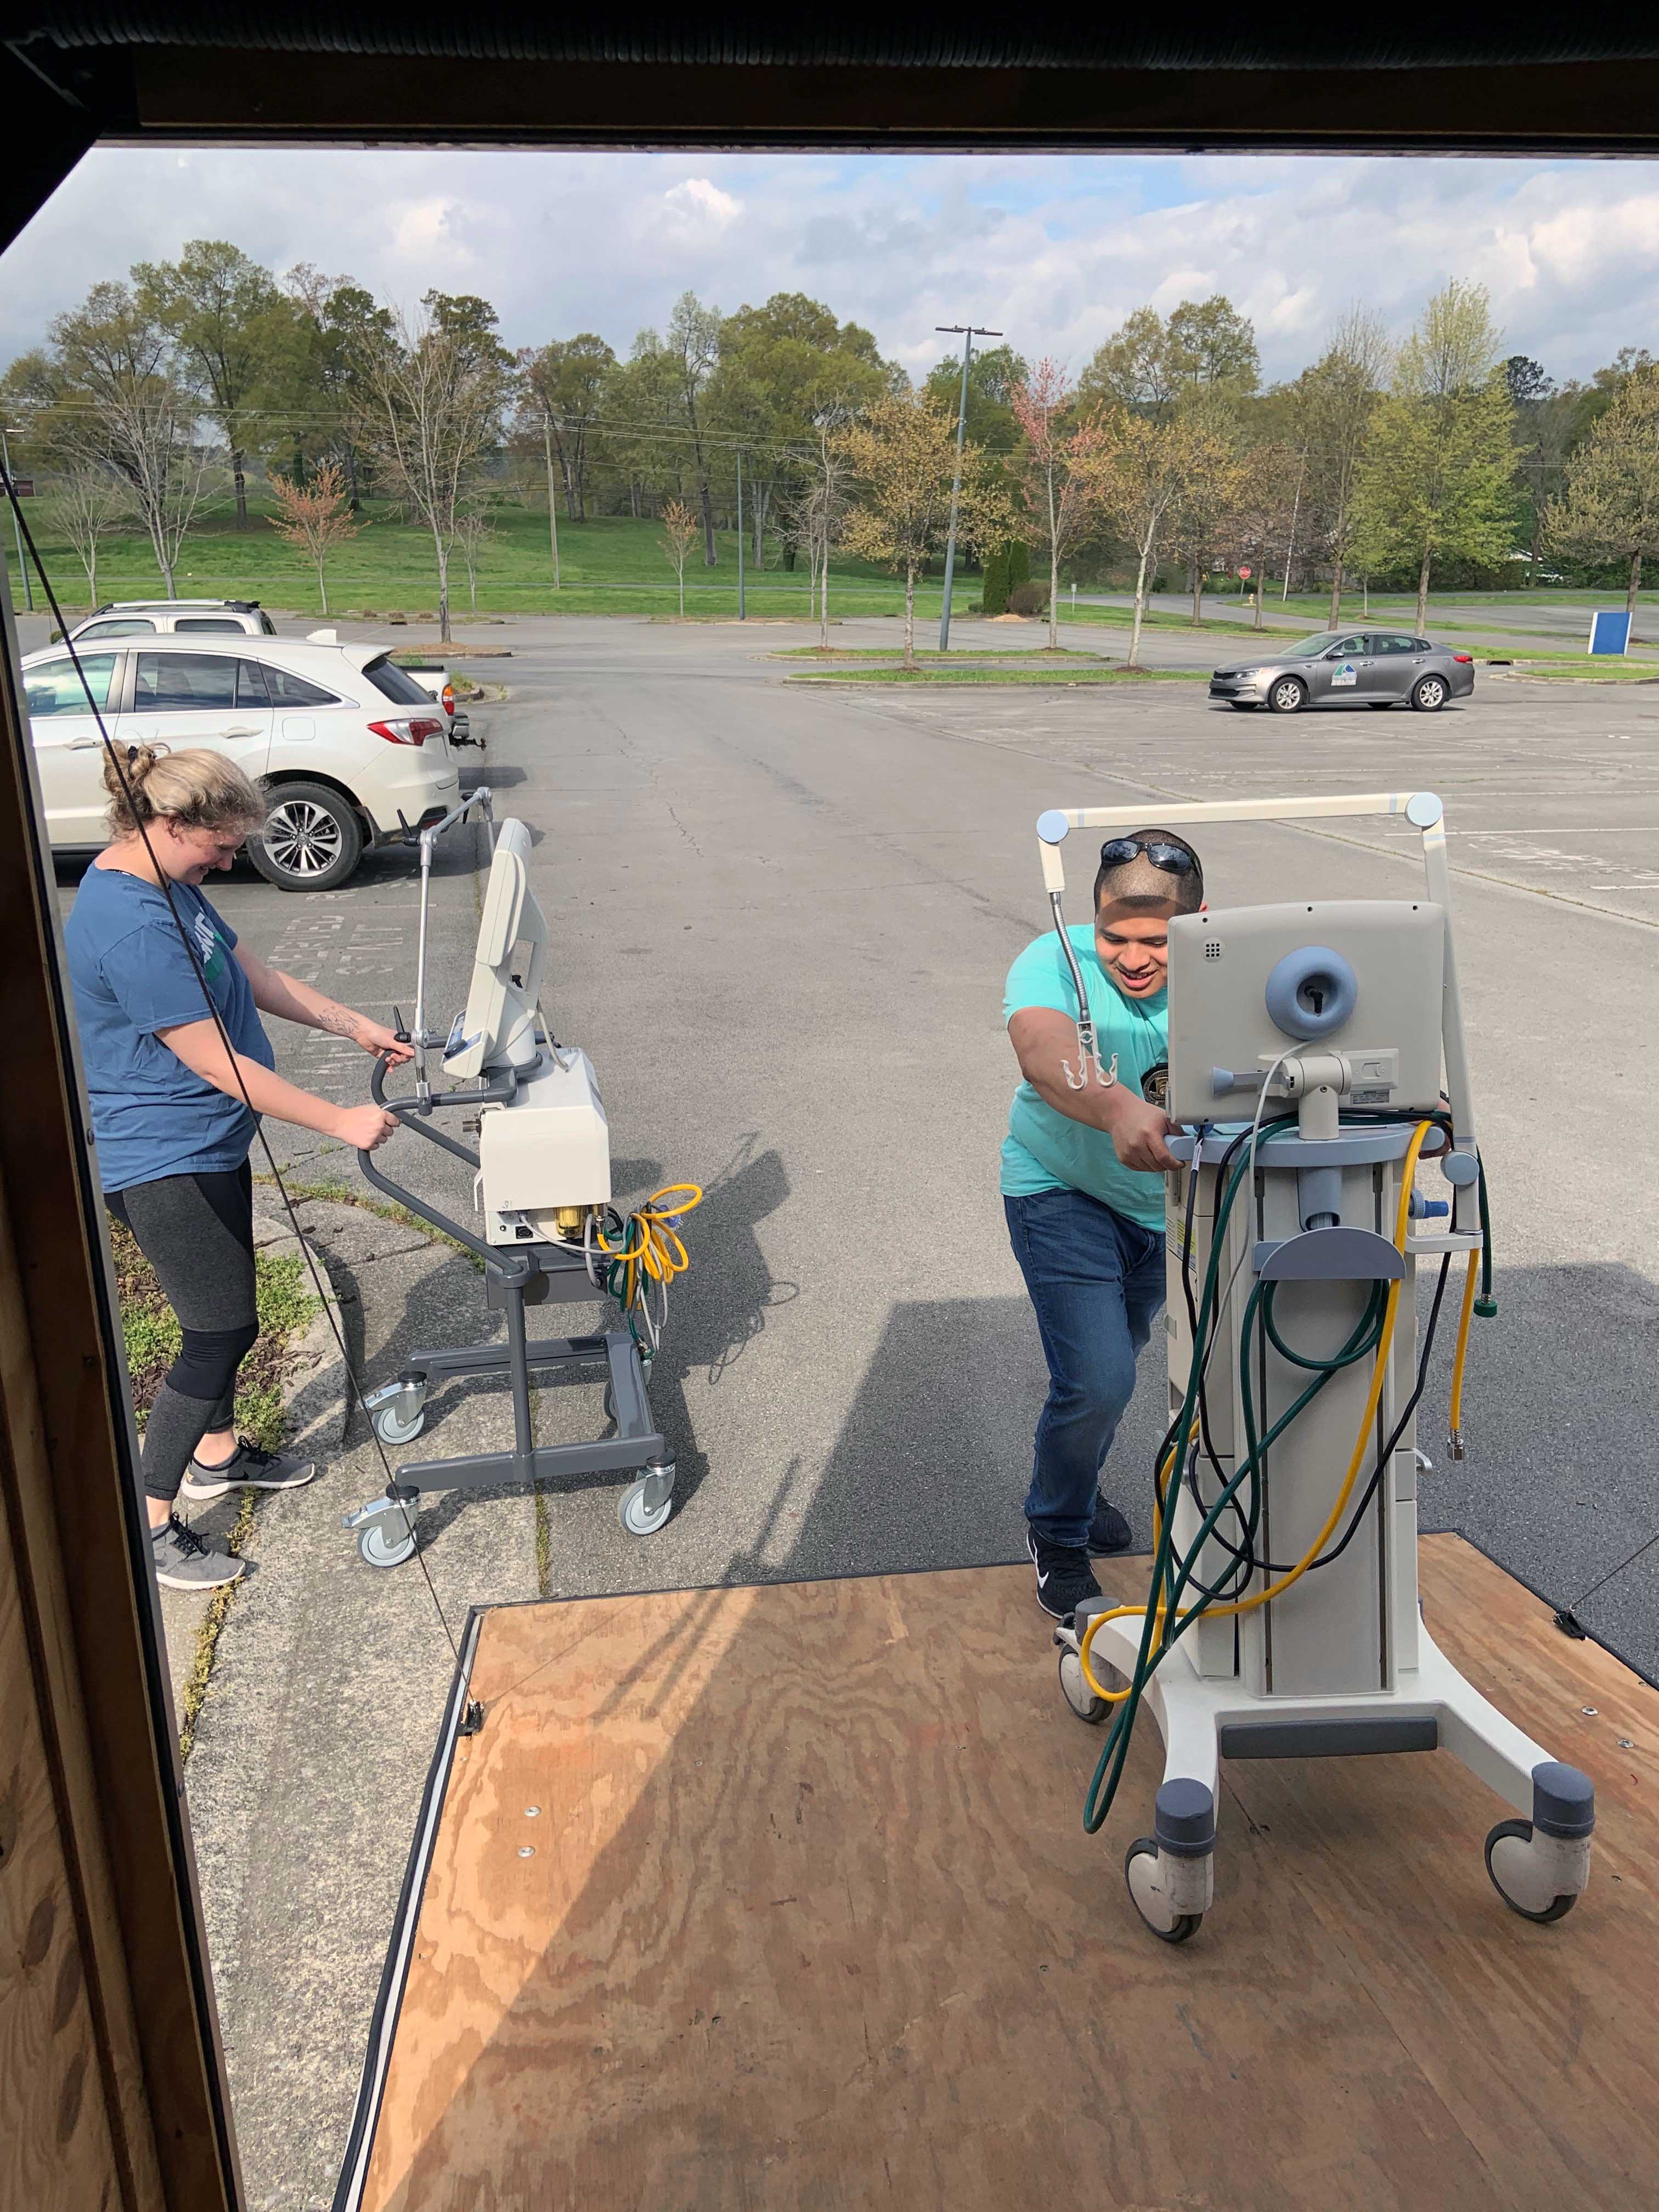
{"points": [[1361, 1342]]}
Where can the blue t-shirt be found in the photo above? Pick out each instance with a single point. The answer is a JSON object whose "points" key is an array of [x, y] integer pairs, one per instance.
{"points": [[151, 1115], [1048, 1150]]}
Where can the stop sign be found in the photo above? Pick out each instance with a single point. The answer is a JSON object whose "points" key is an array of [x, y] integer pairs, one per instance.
{"points": [[1245, 574]]}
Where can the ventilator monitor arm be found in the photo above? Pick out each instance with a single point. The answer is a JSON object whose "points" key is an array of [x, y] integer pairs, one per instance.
{"points": [[1422, 809]]}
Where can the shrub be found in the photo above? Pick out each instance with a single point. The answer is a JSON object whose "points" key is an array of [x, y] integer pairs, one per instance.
{"points": [[993, 599], [1019, 567], [1028, 598]]}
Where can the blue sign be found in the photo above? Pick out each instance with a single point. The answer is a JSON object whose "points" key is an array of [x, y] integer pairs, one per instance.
{"points": [[1609, 633]]}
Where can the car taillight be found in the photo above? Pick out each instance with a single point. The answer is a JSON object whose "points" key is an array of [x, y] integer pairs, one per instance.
{"points": [[447, 695], [408, 729], [1468, 659]]}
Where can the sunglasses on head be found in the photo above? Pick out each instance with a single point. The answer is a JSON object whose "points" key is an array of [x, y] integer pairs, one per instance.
{"points": [[1174, 859]]}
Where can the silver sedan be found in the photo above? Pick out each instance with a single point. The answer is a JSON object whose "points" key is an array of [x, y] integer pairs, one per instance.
{"points": [[1357, 668]]}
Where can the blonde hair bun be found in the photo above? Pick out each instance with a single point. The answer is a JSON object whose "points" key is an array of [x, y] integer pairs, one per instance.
{"points": [[196, 788]]}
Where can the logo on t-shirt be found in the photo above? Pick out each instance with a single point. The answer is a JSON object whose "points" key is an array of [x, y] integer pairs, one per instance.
{"points": [[212, 947]]}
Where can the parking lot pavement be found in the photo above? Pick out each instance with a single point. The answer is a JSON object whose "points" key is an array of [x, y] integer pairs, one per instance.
{"points": [[780, 923]]}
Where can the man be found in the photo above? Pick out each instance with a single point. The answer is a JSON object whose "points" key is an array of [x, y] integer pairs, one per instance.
{"points": [[1083, 1189]]}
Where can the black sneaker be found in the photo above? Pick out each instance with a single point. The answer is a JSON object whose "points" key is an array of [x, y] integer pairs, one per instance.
{"points": [[1108, 1531], [1065, 1578], [185, 1560], [249, 1466]]}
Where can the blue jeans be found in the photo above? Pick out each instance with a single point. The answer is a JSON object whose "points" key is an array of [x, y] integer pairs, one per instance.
{"points": [[1097, 1281]]}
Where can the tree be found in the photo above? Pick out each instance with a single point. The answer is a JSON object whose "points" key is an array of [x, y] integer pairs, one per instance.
{"points": [[315, 518], [680, 528], [992, 377], [782, 366], [1151, 463], [1263, 505], [116, 403], [435, 402], [993, 596], [693, 343], [341, 334], [1204, 518], [233, 332], [1212, 346], [1135, 369], [903, 452], [89, 502], [564, 386], [1436, 482], [472, 527], [820, 513], [1610, 511], [1061, 470], [1339, 396]]}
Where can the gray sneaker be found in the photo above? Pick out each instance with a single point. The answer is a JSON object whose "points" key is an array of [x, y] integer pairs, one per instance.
{"points": [[248, 1466], [185, 1560]]}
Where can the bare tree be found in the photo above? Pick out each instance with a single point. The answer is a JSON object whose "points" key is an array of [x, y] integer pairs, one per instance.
{"points": [[435, 408], [693, 343], [1061, 480], [819, 512], [903, 452], [89, 502], [1151, 467], [472, 527], [1339, 396], [680, 528], [315, 518]]}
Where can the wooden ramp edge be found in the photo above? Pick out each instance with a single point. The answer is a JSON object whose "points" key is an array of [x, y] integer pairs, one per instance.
{"points": [[779, 1897]]}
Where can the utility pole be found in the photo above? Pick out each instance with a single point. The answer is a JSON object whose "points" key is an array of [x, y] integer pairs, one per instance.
{"points": [[552, 495], [742, 611], [968, 332], [28, 589]]}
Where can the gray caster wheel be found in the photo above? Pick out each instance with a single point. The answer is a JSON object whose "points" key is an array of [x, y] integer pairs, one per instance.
{"points": [[387, 1540], [394, 1432], [648, 1504], [1076, 1691], [1516, 1880], [1140, 1871]]}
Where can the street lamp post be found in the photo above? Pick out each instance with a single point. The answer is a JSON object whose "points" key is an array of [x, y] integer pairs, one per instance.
{"points": [[968, 332], [16, 530]]}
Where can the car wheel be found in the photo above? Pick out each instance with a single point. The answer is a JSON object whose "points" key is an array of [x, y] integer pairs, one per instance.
{"points": [[1429, 694], [1287, 694], [312, 840]]}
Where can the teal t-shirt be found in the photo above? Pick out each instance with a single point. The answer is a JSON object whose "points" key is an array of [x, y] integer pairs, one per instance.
{"points": [[1047, 1150]]}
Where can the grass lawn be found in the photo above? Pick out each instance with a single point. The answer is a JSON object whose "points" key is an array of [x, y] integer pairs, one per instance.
{"points": [[609, 566], [1003, 676]]}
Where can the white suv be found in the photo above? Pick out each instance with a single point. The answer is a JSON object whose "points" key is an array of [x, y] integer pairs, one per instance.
{"points": [[177, 618], [350, 748]]}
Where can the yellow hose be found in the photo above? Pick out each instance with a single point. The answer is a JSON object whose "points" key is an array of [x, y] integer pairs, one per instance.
{"points": [[1360, 1451], [1455, 1419], [657, 1252]]}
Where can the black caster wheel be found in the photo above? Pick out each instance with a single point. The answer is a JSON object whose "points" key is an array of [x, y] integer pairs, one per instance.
{"points": [[386, 1541], [1076, 1691], [1508, 1853], [1140, 1864]]}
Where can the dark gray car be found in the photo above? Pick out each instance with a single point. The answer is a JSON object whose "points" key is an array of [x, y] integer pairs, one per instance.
{"points": [[1356, 667]]}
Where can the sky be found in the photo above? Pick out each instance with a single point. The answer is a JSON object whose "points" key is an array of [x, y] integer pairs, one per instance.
{"points": [[1053, 250]]}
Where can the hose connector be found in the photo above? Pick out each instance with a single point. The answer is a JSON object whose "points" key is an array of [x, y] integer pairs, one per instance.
{"points": [[1458, 1443]]}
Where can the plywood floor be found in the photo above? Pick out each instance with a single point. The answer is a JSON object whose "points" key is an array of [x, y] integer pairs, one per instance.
{"points": [[806, 1918]]}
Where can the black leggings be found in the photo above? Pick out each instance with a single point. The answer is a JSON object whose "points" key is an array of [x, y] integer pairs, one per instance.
{"points": [[197, 1232]]}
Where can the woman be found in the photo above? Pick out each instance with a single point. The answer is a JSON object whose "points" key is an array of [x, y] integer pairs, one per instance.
{"points": [[169, 1120]]}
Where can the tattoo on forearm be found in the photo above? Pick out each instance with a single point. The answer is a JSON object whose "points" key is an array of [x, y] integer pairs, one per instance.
{"points": [[340, 1020]]}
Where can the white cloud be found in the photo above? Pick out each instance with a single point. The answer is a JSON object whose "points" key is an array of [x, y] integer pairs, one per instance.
{"points": [[1053, 250]]}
